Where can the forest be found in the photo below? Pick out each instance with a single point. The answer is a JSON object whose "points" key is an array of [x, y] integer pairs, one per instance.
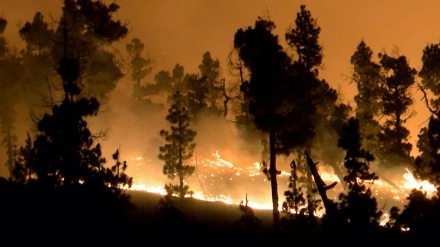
{"points": [[60, 189]]}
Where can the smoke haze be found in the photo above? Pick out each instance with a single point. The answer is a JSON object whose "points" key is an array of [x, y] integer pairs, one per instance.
{"points": [[181, 31]]}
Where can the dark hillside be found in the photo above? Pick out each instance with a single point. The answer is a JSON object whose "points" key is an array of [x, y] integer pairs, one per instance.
{"points": [[214, 214], [195, 221]]}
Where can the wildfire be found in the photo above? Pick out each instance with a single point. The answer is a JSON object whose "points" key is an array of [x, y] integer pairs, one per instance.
{"points": [[411, 183], [220, 180], [149, 188]]}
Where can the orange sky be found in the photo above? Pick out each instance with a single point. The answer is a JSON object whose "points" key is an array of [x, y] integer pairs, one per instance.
{"points": [[181, 31]]}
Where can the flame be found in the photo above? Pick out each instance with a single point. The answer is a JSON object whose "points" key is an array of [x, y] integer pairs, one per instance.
{"points": [[149, 188], [411, 182], [219, 180], [213, 174]]}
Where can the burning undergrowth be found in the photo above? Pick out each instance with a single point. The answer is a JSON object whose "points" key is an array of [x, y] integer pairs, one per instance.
{"points": [[217, 179], [227, 167]]}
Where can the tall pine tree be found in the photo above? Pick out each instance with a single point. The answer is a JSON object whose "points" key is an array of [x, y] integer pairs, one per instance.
{"points": [[367, 77], [179, 146], [356, 211], [399, 77]]}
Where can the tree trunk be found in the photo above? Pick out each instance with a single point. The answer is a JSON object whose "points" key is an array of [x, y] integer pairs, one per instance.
{"points": [[181, 185], [273, 179], [310, 207], [322, 187]]}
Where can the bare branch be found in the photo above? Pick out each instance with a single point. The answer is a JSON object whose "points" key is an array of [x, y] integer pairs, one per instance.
{"points": [[425, 97]]}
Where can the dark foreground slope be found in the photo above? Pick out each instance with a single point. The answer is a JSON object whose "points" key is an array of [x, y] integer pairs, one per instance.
{"points": [[203, 223], [86, 218], [193, 220], [213, 213], [33, 216]]}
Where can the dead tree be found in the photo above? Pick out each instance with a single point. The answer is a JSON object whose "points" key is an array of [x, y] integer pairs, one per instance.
{"points": [[322, 187]]}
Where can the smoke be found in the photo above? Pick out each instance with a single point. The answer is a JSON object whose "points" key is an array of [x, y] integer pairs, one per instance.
{"points": [[134, 135], [180, 32]]}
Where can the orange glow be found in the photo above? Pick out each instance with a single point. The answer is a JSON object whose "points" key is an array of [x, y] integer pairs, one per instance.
{"points": [[411, 183], [212, 176]]}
